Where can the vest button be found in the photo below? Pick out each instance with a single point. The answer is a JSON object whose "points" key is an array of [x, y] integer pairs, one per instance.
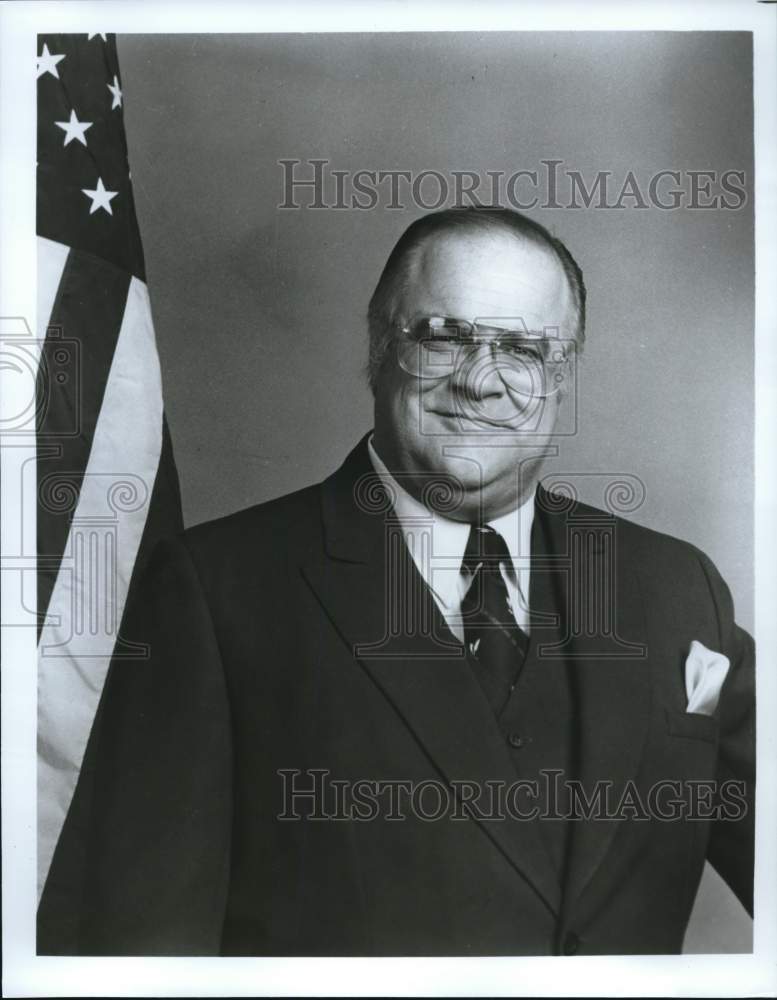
{"points": [[571, 944], [516, 741]]}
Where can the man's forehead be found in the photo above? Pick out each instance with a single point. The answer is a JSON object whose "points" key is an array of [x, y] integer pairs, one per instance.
{"points": [[469, 274], [454, 244]]}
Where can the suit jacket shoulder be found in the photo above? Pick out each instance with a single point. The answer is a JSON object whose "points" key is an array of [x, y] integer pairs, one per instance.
{"points": [[258, 537], [671, 571]]}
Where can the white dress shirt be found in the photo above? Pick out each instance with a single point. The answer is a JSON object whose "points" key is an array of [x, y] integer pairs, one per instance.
{"points": [[437, 546]]}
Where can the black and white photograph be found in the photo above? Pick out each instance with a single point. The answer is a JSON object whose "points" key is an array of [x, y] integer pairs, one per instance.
{"points": [[388, 546]]}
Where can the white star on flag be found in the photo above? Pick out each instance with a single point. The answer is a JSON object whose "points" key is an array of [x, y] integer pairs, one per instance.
{"points": [[96, 34], [74, 129], [116, 91], [100, 197], [47, 63]]}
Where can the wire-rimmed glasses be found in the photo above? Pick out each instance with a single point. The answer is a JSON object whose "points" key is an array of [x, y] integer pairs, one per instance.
{"points": [[531, 366]]}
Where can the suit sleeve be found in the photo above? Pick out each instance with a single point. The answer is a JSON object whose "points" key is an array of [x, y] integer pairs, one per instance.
{"points": [[142, 865], [731, 845]]}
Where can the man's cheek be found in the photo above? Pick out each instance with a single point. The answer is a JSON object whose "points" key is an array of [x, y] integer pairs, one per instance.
{"points": [[409, 409]]}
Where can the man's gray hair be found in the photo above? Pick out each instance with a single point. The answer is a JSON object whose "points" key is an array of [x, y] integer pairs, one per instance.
{"points": [[381, 317]]}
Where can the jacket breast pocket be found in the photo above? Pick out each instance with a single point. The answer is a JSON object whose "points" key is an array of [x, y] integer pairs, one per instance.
{"points": [[692, 725]]}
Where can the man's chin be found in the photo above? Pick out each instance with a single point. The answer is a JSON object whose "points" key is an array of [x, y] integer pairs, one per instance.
{"points": [[478, 486], [468, 474], [467, 459]]}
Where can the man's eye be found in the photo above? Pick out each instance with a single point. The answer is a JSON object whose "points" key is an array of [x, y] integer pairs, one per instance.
{"points": [[426, 331], [438, 345], [523, 351], [439, 328]]}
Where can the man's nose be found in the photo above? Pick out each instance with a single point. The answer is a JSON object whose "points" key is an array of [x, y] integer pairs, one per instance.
{"points": [[476, 376]]}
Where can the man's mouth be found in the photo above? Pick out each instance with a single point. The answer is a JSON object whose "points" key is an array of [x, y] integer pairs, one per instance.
{"points": [[452, 414], [478, 421], [458, 415]]}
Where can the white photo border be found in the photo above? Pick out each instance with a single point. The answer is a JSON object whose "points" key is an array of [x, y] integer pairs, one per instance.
{"points": [[26, 974]]}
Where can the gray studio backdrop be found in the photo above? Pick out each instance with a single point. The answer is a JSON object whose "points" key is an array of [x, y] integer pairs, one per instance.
{"points": [[259, 311]]}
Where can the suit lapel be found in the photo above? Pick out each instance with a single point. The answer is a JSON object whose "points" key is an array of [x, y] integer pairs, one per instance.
{"points": [[605, 647], [374, 595]]}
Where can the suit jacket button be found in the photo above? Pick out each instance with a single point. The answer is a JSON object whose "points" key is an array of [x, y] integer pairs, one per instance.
{"points": [[571, 944], [516, 741]]}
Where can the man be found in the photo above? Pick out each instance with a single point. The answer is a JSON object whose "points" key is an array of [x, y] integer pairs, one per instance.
{"points": [[428, 625]]}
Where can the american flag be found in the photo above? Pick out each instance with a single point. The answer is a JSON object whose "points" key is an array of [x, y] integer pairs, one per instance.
{"points": [[107, 487]]}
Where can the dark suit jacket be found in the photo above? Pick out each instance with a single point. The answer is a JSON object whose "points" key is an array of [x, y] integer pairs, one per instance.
{"points": [[280, 640]]}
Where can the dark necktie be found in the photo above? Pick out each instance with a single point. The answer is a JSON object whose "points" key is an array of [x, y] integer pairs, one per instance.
{"points": [[495, 643]]}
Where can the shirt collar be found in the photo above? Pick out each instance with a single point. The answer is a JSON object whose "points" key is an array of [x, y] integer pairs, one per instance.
{"points": [[442, 572]]}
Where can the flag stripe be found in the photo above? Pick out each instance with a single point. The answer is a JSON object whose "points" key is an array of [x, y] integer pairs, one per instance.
{"points": [[71, 852], [77, 355], [164, 511], [111, 514], [51, 263]]}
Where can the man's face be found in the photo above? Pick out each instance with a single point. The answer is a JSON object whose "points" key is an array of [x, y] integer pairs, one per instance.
{"points": [[468, 424]]}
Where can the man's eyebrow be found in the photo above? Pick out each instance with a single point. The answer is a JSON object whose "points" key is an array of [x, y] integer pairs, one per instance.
{"points": [[512, 325], [548, 332]]}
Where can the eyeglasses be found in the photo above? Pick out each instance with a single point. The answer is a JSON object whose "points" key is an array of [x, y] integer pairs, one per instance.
{"points": [[434, 347]]}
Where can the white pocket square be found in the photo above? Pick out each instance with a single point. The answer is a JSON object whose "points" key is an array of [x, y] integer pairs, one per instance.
{"points": [[705, 671]]}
